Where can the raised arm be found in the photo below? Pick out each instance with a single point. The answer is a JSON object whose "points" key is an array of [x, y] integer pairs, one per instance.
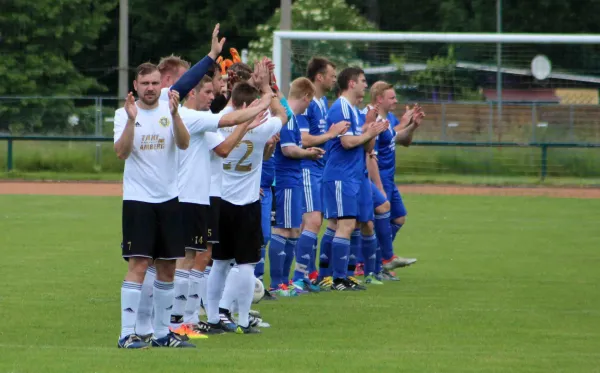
{"points": [[180, 132], [246, 114], [124, 144], [192, 77]]}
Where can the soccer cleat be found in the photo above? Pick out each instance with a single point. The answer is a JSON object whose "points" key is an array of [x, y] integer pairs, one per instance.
{"points": [[132, 341], [269, 296], [257, 322], [205, 328], [222, 326], [313, 277], [356, 283], [146, 338], [172, 340], [248, 330], [342, 284], [397, 262], [189, 331], [254, 313], [227, 321], [306, 286], [360, 270], [388, 276], [372, 280], [326, 283], [298, 288]]}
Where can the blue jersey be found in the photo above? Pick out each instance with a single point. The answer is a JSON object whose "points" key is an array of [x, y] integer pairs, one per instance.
{"points": [[386, 148], [315, 124], [289, 170], [268, 173], [342, 164]]}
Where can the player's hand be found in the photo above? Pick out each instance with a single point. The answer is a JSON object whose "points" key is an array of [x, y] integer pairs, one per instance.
{"points": [[372, 114], [265, 100], [407, 117], [173, 102], [373, 155], [261, 118], [273, 140], [261, 192], [418, 115], [315, 153], [130, 106], [375, 128], [339, 128], [261, 76], [216, 45]]}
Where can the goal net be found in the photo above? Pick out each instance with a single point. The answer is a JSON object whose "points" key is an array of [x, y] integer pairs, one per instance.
{"points": [[547, 93]]}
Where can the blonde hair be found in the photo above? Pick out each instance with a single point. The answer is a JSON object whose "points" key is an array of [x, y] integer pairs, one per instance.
{"points": [[171, 64], [302, 87], [378, 88]]}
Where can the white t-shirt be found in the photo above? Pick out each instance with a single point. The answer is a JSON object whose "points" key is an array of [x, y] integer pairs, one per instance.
{"points": [[216, 162], [243, 167], [150, 173], [164, 94], [194, 162]]}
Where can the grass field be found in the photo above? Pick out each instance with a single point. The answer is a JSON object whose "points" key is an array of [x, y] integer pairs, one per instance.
{"points": [[503, 284]]}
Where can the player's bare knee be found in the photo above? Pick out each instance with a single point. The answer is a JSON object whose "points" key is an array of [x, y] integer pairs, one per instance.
{"points": [[345, 227], [136, 269], [332, 224], [165, 270], [283, 232], [400, 221], [367, 229], [383, 208], [313, 221]]}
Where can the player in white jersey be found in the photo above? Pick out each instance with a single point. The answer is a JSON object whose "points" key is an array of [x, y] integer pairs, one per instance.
{"points": [[240, 222], [194, 186], [147, 134]]}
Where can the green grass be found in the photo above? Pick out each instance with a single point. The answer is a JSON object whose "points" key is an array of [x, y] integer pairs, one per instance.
{"points": [[503, 284]]}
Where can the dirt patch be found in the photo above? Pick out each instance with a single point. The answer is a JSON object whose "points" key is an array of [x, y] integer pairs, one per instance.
{"points": [[116, 189]]}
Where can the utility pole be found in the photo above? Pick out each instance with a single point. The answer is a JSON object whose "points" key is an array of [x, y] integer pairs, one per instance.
{"points": [[123, 48], [286, 47], [499, 66]]}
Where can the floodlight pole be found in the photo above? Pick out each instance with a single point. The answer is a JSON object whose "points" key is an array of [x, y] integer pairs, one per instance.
{"points": [[285, 69], [499, 64], [123, 48]]}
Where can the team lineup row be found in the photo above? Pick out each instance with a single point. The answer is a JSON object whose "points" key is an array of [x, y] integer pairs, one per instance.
{"points": [[202, 177]]}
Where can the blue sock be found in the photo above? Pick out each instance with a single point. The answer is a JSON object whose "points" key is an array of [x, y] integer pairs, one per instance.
{"points": [[378, 267], [360, 258], [290, 247], [276, 259], [325, 270], [303, 254], [354, 250], [259, 269], [384, 235], [312, 265], [395, 229], [369, 248], [340, 249]]}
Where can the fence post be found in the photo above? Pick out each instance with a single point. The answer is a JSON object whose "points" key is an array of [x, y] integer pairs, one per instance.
{"points": [[533, 121], [544, 169], [444, 124], [491, 123], [98, 131], [9, 155], [571, 120]]}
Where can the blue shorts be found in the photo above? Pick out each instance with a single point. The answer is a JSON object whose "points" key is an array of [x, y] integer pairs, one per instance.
{"points": [[313, 192], [266, 203], [366, 212], [288, 207], [393, 195], [340, 199], [378, 197]]}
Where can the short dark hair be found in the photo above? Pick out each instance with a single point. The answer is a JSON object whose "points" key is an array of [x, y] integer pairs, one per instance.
{"points": [[205, 80], [213, 70], [145, 69], [348, 74], [243, 71], [243, 93], [317, 65]]}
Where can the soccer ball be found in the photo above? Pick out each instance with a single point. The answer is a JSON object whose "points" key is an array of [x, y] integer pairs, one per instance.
{"points": [[259, 291]]}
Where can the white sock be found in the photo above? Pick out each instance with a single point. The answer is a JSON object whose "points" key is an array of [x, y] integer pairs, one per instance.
{"points": [[245, 282], [190, 314], [130, 302], [203, 286], [182, 287], [163, 304], [214, 289], [143, 323], [230, 292]]}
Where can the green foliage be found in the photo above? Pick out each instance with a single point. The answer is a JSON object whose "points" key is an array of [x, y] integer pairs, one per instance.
{"points": [[315, 15], [37, 51]]}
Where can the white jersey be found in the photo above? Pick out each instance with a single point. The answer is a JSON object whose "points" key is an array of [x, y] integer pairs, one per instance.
{"points": [[150, 173], [194, 162], [243, 168], [164, 94], [216, 162]]}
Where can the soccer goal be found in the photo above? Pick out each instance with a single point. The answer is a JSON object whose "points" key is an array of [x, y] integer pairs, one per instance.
{"points": [[476, 88]]}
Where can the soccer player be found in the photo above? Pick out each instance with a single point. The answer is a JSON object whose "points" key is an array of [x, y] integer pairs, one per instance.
{"points": [[240, 223], [383, 171], [147, 134], [313, 126], [289, 193], [344, 171], [194, 186]]}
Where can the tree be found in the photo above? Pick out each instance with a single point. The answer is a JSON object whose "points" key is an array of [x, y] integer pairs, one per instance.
{"points": [[37, 48], [318, 15]]}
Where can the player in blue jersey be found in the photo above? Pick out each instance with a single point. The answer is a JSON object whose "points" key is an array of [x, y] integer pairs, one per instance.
{"points": [[382, 173], [321, 72], [345, 170], [289, 193]]}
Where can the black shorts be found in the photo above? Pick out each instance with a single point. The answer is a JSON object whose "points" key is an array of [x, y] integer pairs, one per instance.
{"points": [[195, 217], [214, 212], [241, 233], [152, 230]]}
